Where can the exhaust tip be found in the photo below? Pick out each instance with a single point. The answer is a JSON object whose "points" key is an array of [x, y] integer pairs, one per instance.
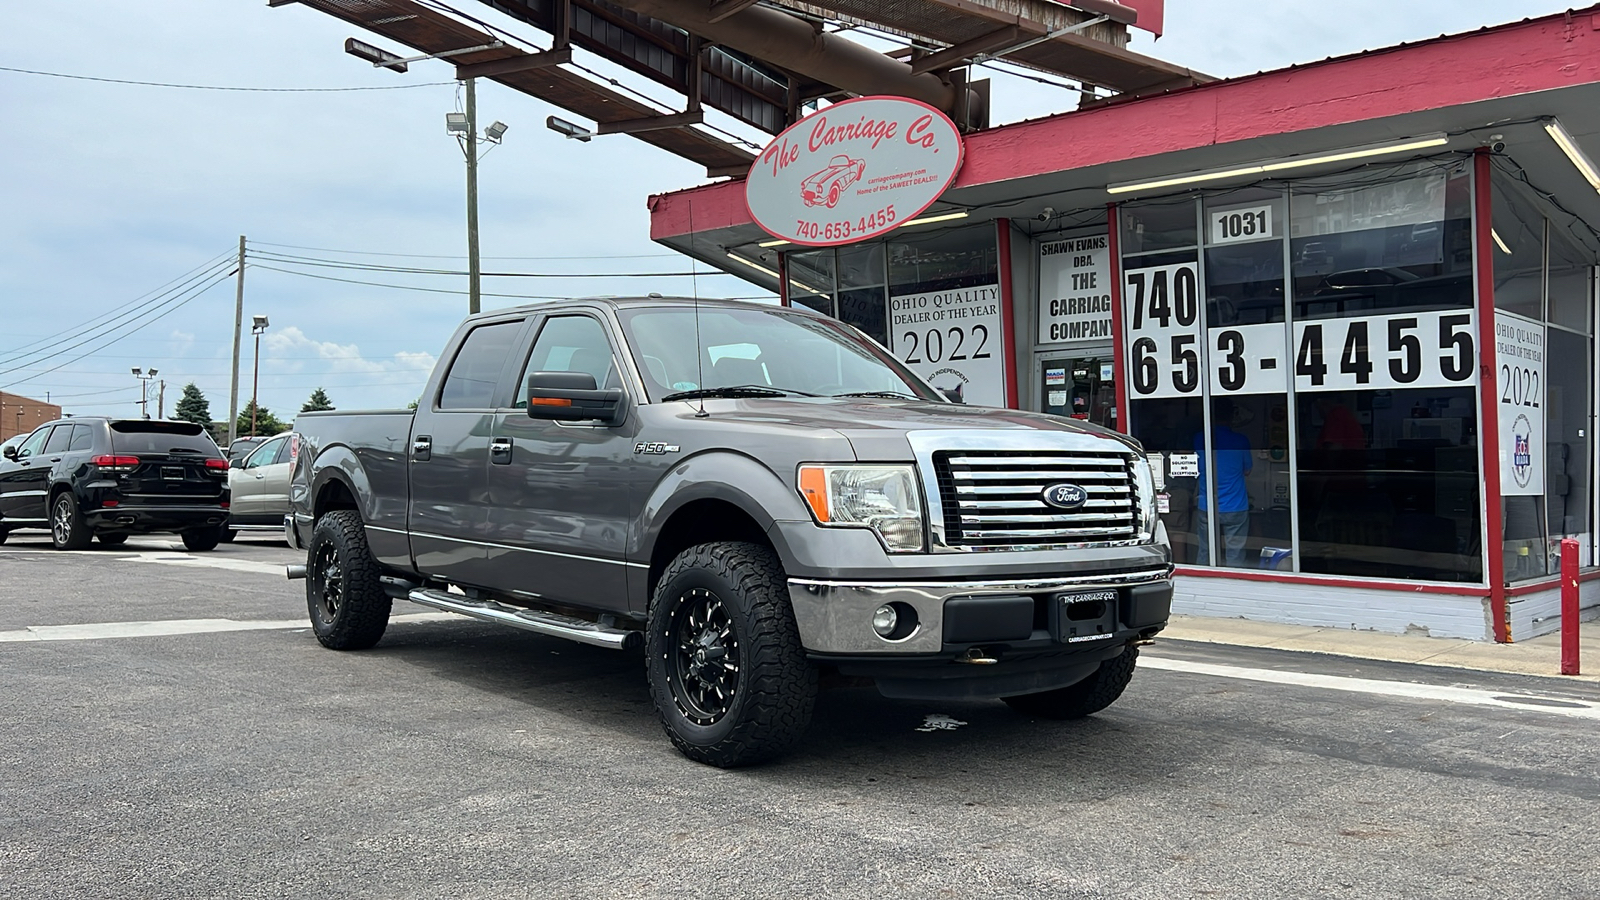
{"points": [[294, 572]]}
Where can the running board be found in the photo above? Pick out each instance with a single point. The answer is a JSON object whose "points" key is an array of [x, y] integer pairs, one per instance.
{"points": [[553, 624]]}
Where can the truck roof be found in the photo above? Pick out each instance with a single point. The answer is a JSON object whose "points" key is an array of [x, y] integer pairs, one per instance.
{"points": [[650, 300]]}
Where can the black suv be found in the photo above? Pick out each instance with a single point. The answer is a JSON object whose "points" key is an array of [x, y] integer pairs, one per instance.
{"points": [[89, 476]]}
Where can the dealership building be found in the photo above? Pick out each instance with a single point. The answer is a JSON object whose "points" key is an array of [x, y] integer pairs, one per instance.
{"points": [[1366, 284]]}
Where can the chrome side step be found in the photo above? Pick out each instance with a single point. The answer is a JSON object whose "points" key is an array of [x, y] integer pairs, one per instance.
{"points": [[553, 624]]}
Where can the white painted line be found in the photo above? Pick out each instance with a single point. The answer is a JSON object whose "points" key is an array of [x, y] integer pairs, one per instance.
{"points": [[168, 627], [206, 562], [1500, 699]]}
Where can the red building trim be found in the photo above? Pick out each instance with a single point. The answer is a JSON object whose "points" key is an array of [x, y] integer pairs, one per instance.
{"points": [[1275, 577], [1007, 328], [1520, 58], [1489, 413], [1114, 263]]}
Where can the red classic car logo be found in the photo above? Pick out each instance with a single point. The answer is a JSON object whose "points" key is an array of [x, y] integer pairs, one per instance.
{"points": [[823, 188], [853, 171]]}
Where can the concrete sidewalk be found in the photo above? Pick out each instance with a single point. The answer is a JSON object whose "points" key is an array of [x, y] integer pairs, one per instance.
{"points": [[1537, 656]]}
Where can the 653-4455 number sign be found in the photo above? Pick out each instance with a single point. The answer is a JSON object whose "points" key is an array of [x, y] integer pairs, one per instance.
{"points": [[1167, 357]]}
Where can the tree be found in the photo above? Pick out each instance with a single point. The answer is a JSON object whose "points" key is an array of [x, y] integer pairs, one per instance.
{"points": [[193, 407], [412, 405], [266, 422], [319, 402]]}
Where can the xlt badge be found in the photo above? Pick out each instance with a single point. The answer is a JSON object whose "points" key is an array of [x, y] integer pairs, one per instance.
{"points": [[654, 447]]}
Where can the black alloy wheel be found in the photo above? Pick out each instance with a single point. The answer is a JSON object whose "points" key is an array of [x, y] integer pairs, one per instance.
{"points": [[727, 672], [347, 603], [705, 669]]}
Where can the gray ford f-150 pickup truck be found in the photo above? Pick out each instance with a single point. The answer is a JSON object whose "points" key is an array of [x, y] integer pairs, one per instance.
{"points": [[751, 494]]}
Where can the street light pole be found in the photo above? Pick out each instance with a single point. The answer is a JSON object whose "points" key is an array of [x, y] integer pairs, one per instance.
{"points": [[473, 272], [258, 324], [144, 389]]}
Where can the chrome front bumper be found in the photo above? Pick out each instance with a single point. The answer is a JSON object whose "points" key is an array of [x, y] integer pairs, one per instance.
{"points": [[836, 617]]}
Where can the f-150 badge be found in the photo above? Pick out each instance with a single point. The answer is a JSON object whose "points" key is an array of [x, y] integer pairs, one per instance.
{"points": [[654, 448]]}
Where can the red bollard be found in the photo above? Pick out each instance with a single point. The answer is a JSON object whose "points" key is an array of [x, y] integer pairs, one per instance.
{"points": [[1569, 606]]}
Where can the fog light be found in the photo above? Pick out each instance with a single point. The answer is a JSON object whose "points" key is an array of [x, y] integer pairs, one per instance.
{"points": [[884, 620]]}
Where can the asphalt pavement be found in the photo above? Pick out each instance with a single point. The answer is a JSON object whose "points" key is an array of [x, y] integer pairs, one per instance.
{"points": [[172, 729]]}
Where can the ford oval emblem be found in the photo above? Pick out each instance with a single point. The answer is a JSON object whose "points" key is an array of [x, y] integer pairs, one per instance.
{"points": [[1065, 496]]}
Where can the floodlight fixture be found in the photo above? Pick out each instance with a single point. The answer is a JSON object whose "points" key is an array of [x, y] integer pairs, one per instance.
{"points": [[495, 132], [456, 123], [137, 371], [152, 373], [258, 323], [375, 55], [562, 126]]}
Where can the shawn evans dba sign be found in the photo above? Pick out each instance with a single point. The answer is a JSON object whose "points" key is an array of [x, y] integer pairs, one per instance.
{"points": [[1075, 289], [852, 171]]}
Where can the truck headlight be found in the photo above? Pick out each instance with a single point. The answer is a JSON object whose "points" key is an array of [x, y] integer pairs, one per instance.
{"points": [[1144, 483], [882, 498]]}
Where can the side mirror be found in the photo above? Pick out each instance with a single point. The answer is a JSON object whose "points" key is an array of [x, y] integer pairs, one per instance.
{"points": [[951, 395], [573, 397], [236, 463], [11, 453]]}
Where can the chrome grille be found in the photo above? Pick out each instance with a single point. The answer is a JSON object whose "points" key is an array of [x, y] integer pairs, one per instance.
{"points": [[995, 498]]}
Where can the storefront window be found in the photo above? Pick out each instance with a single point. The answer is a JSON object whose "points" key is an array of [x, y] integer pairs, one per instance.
{"points": [[1307, 367], [811, 279], [946, 318], [1568, 481], [1400, 244]]}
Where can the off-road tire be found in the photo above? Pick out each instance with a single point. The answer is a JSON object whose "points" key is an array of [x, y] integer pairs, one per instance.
{"points": [[348, 606], [1087, 697], [68, 530], [773, 688], [200, 541], [113, 540]]}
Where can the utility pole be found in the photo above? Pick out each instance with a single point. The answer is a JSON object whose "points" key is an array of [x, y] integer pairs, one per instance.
{"points": [[161, 400], [238, 328], [472, 197]]}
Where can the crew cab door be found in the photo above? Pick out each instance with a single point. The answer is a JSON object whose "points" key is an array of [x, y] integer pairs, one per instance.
{"points": [[448, 516], [559, 491]]}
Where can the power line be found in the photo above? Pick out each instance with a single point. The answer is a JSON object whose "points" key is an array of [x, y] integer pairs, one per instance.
{"points": [[17, 352], [96, 331], [447, 256], [213, 87], [288, 259]]}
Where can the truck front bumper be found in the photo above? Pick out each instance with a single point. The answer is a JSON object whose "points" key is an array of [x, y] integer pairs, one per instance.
{"points": [[977, 639], [835, 618]]}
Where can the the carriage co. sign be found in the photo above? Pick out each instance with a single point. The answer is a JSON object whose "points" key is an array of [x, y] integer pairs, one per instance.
{"points": [[853, 171]]}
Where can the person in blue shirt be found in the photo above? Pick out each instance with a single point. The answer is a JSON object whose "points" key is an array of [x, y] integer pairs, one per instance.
{"points": [[1233, 500]]}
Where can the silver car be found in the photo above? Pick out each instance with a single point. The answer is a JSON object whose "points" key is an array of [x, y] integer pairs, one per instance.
{"points": [[259, 484]]}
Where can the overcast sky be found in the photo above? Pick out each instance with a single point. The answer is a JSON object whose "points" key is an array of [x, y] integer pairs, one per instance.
{"points": [[112, 192]]}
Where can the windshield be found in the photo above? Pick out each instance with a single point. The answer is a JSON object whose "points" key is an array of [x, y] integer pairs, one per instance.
{"points": [[789, 352]]}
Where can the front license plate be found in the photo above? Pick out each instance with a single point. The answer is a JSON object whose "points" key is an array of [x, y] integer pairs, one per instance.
{"points": [[1085, 616], [172, 473]]}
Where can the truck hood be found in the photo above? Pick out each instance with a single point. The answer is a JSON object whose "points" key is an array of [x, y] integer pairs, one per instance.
{"points": [[877, 429]]}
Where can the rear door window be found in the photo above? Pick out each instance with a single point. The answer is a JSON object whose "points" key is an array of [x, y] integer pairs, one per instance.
{"points": [[142, 436], [82, 438], [475, 374], [60, 438], [266, 454]]}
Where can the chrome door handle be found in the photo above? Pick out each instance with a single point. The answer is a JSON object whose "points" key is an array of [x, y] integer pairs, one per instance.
{"points": [[500, 450], [422, 448]]}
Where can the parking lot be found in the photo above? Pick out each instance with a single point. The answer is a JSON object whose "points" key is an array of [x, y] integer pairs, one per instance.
{"points": [[223, 753]]}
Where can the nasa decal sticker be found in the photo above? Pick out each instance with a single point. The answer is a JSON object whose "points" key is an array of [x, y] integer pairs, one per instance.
{"points": [[853, 170]]}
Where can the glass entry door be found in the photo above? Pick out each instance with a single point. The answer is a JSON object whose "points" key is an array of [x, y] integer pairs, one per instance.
{"points": [[1079, 386]]}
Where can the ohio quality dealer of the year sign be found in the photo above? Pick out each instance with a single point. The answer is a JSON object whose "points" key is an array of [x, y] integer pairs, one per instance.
{"points": [[853, 170]]}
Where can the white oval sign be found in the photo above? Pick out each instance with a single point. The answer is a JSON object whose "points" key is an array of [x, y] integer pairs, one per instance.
{"points": [[853, 171]]}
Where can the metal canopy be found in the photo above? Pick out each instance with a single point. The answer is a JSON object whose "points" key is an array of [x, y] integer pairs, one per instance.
{"points": [[432, 32]]}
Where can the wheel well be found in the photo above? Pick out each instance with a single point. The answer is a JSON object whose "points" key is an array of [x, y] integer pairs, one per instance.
{"points": [[701, 522], [333, 495], [56, 490]]}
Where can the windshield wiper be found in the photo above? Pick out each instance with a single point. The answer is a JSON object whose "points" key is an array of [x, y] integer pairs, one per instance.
{"points": [[887, 395], [740, 390]]}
